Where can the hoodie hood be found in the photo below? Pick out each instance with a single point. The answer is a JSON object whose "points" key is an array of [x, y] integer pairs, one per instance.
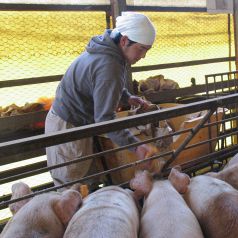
{"points": [[103, 44]]}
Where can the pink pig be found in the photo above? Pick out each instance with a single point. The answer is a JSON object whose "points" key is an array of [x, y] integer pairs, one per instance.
{"points": [[110, 212], [213, 201], [165, 213], [229, 173], [43, 216]]}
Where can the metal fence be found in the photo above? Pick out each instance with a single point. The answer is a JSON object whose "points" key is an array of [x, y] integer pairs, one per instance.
{"points": [[42, 43], [37, 45]]}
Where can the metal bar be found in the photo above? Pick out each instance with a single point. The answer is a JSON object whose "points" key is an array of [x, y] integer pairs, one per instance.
{"points": [[189, 137], [227, 152], [133, 164], [17, 122], [189, 165], [23, 156], [158, 97], [165, 9], [40, 167], [41, 141], [117, 6], [95, 156], [36, 188], [51, 7], [29, 81], [56, 78], [43, 164], [219, 74], [235, 22], [210, 140], [194, 165], [182, 64], [229, 38], [21, 170], [81, 159]]}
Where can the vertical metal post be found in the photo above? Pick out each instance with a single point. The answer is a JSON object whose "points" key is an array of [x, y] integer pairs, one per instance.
{"points": [[229, 38], [108, 20], [235, 18], [117, 6]]}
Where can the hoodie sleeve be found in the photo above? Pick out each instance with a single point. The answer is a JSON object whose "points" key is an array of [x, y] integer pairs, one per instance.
{"points": [[107, 92], [125, 96]]}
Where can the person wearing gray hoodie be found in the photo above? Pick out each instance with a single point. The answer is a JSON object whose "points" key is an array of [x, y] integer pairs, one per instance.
{"points": [[91, 90]]}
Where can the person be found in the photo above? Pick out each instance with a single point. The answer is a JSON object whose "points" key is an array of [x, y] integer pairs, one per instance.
{"points": [[92, 88]]}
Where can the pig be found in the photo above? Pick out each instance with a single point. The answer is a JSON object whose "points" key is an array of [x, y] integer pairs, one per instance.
{"points": [[43, 216], [165, 213], [109, 212], [19, 190], [232, 161], [229, 173], [213, 201]]}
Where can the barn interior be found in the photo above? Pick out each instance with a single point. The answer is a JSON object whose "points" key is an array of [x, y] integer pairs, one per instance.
{"points": [[194, 123]]}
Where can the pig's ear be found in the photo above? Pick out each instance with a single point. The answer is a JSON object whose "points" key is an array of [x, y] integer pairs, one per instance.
{"points": [[67, 205], [82, 188], [179, 180], [141, 184], [178, 168], [19, 190]]}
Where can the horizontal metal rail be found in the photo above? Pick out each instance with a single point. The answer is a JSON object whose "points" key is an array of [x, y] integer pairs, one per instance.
{"points": [[189, 137], [165, 9], [56, 78], [52, 7], [29, 81], [186, 167], [41, 141], [182, 64], [94, 7], [40, 167]]}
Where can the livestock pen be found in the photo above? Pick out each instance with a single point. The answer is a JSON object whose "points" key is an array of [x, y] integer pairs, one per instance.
{"points": [[202, 118]]}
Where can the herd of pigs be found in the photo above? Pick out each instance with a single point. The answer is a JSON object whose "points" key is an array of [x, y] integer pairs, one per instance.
{"points": [[180, 206]]}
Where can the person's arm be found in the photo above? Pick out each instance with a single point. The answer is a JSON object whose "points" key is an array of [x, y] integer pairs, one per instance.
{"points": [[133, 100], [107, 93]]}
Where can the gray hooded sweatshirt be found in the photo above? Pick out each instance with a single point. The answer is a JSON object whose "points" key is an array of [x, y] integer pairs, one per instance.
{"points": [[92, 87]]}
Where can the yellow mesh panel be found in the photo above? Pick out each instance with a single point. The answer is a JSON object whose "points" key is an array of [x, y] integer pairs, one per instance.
{"points": [[44, 43], [186, 37], [34, 44]]}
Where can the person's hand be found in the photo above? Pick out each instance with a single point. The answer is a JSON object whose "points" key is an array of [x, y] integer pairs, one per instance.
{"points": [[137, 101], [143, 152]]}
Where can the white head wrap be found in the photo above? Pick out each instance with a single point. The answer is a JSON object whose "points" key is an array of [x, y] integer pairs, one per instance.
{"points": [[137, 27]]}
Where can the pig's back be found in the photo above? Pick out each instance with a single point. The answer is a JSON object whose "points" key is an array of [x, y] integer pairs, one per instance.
{"points": [[166, 215], [203, 190], [221, 218], [107, 213]]}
